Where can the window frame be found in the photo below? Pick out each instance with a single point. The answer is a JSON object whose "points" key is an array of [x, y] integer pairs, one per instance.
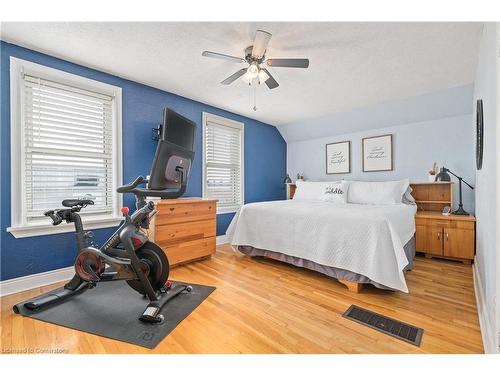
{"points": [[233, 124], [19, 226]]}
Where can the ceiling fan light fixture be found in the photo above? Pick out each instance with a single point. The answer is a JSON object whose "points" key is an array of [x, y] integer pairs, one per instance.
{"points": [[246, 78], [253, 70]]}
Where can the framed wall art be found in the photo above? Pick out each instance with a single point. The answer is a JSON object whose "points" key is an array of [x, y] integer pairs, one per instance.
{"points": [[338, 157], [377, 153]]}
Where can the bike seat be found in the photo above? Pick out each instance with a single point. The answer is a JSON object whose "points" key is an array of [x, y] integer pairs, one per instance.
{"points": [[77, 202]]}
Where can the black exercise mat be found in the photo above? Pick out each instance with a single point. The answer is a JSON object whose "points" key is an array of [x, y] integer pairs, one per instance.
{"points": [[112, 309]]}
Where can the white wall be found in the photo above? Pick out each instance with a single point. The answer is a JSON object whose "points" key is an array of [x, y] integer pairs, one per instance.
{"points": [[416, 146], [487, 233]]}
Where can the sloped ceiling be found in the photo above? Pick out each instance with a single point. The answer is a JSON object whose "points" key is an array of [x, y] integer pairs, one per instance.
{"points": [[352, 65], [456, 101]]}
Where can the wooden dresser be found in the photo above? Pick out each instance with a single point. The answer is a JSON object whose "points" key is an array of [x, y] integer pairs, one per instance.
{"points": [[185, 228], [437, 235]]}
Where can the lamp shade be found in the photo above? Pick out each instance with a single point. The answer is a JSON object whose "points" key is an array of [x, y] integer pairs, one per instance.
{"points": [[443, 175]]}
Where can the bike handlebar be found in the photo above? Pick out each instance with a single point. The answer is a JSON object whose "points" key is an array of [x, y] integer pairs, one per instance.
{"points": [[56, 219], [146, 192], [130, 187]]}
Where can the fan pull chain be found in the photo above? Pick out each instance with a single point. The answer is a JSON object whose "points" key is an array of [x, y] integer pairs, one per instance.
{"points": [[255, 97]]}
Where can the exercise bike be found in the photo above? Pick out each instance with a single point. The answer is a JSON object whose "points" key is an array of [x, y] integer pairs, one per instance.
{"points": [[128, 255]]}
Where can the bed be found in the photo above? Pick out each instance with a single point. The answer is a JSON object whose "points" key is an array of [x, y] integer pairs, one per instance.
{"points": [[354, 243]]}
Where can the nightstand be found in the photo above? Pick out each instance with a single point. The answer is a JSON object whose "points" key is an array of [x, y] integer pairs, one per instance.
{"points": [[185, 228], [437, 235], [450, 237]]}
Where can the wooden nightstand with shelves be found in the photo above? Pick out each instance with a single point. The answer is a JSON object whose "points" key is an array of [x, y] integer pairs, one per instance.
{"points": [[437, 235]]}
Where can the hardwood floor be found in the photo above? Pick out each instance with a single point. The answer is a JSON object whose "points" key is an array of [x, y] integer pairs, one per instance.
{"points": [[263, 306]]}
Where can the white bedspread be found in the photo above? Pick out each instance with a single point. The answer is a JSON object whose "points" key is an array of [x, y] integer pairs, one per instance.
{"points": [[364, 239]]}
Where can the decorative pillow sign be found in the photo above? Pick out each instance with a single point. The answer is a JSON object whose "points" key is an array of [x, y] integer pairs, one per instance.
{"points": [[336, 192]]}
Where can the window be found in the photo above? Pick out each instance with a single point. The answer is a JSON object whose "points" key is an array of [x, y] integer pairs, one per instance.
{"points": [[223, 162], [65, 143]]}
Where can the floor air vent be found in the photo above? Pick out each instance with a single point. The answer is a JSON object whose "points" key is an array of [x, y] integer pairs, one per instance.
{"points": [[386, 325]]}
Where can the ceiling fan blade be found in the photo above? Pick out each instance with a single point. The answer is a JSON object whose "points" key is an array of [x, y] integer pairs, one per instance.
{"points": [[222, 56], [234, 76], [288, 63], [270, 82], [260, 43]]}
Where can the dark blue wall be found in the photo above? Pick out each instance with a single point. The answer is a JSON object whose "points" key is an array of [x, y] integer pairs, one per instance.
{"points": [[265, 160]]}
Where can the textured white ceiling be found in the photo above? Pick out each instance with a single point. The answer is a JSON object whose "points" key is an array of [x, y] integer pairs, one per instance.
{"points": [[352, 65]]}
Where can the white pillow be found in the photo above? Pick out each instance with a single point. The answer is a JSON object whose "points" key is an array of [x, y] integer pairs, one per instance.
{"points": [[336, 192], [310, 190], [383, 192]]}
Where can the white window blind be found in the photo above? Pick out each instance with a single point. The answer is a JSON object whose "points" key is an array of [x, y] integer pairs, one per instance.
{"points": [[68, 146], [223, 162]]}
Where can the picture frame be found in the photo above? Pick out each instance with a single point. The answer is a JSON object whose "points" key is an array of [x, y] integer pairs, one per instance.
{"points": [[377, 153], [338, 157]]}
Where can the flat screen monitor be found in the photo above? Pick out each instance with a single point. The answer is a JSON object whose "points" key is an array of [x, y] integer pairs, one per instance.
{"points": [[178, 130], [174, 152]]}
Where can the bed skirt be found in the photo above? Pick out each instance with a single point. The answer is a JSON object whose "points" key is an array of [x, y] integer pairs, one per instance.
{"points": [[334, 272]]}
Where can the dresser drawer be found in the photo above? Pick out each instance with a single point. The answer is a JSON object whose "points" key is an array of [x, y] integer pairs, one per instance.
{"points": [[446, 223], [174, 233], [182, 252], [179, 213], [465, 225]]}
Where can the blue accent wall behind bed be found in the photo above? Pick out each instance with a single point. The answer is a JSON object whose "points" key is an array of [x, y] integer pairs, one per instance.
{"points": [[265, 160]]}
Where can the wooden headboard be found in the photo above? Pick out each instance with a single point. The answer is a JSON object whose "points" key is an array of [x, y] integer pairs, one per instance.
{"points": [[429, 196]]}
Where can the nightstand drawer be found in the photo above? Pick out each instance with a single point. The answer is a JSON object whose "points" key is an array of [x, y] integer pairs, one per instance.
{"points": [[179, 213], [445, 222], [464, 225], [173, 233], [182, 252], [439, 223], [442, 222]]}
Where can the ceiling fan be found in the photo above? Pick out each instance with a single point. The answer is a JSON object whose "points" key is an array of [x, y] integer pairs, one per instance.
{"points": [[255, 56]]}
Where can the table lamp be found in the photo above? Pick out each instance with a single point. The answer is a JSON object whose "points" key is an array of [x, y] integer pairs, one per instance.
{"points": [[443, 175]]}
